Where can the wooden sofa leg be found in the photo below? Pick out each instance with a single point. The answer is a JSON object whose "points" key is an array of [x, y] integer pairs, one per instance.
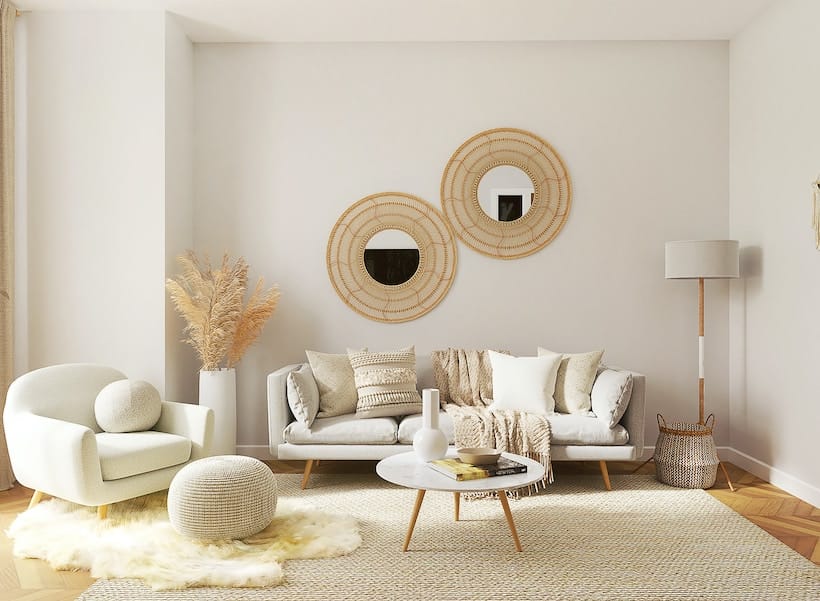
{"points": [[102, 512], [308, 467], [605, 474], [35, 498]]}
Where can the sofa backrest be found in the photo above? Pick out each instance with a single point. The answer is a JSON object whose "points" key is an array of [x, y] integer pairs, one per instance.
{"points": [[64, 392]]}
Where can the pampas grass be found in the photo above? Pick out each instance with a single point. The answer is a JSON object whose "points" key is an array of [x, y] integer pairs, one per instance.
{"points": [[219, 327]]}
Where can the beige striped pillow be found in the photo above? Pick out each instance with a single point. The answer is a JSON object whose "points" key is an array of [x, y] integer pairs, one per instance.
{"points": [[385, 382]]}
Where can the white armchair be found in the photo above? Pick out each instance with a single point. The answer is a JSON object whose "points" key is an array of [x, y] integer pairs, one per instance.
{"points": [[56, 446]]}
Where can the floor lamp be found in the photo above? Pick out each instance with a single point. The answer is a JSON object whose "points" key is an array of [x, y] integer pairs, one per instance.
{"points": [[701, 260]]}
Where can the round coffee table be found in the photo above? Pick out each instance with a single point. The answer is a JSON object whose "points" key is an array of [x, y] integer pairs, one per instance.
{"points": [[406, 470]]}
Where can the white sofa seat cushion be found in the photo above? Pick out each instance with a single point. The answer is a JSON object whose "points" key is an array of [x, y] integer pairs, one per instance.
{"points": [[343, 429], [128, 454], [413, 423], [585, 429]]}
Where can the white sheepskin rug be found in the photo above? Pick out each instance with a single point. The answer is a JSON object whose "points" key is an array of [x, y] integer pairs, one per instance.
{"points": [[138, 541]]}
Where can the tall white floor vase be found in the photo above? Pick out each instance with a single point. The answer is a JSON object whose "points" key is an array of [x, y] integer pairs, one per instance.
{"points": [[217, 390]]}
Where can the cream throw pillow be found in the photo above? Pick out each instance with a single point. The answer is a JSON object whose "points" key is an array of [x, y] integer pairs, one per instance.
{"points": [[385, 383], [574, 382], [303, 395], [334, 379], [524, 383], [611, 393], [127, 406]]}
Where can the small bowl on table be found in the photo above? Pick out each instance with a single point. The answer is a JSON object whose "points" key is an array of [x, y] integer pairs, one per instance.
{"points": [[479, 455]]}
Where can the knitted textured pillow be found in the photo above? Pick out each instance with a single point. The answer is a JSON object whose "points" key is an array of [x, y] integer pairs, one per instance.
{"points": [[385, 383], [127, 406]]}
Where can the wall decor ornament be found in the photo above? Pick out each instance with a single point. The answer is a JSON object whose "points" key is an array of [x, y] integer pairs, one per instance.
{"points": [[389, 302], [544, 213]]}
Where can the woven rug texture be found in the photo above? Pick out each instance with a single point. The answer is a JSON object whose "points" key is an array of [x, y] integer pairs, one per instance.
{"points": [[641, 541]]}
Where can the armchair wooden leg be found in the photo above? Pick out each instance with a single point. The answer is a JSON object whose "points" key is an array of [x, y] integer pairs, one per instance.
{"points": [[35, 498], [102, 512], [306, 475], [605, 474]]}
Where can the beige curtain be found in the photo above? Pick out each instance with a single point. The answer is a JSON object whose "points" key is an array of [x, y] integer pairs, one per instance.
{"points": [[7, 15]]}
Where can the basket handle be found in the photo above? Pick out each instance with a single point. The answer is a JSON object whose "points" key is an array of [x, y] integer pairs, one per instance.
{"points": [[661, 421], [706, 422]]}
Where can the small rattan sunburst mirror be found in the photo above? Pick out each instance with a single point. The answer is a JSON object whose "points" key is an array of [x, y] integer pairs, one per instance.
{"points": [[425, 285], [546, 201]]}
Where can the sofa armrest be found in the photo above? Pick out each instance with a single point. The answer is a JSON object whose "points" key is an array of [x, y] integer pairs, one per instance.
{"points": [[191, 421], [634, 419], [279, 414], [57, 457]]}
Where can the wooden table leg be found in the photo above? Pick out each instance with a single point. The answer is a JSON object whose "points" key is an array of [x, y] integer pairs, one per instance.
{"points": [[457, 499], [502, 496], [419, 499]]}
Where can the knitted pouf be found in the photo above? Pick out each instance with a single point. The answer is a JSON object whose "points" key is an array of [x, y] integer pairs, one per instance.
{"points": [[222, 497]]}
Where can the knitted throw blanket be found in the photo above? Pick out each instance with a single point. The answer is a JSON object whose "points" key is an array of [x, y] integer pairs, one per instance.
{"points": [[464, 379]]}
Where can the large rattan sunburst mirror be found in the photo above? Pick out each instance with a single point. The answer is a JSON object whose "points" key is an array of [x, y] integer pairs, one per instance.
{"points": [[391, 257], [506, 192]]}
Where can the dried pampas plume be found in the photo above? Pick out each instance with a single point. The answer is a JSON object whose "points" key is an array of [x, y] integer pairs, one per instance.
{"points": [[210, 300]]}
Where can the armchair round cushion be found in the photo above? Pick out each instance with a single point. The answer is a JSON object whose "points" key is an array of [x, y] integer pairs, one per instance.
{"points": [[223, 497], [127, 406]]}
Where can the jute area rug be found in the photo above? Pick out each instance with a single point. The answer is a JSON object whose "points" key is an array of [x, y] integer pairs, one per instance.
{"points": [[641, 541]]}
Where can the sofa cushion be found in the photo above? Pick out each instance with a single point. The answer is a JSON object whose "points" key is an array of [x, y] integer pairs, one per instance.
{"points": [[127, 406], [334, 378], [343, 429], [303, 394], [610, 395], [524, 383], [573, 383], [576, 429], [131, 453], [385, 383], [411, 424]]}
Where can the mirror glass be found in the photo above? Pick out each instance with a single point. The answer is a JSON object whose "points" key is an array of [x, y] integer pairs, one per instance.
{"points": [[505, 193], [391, 257]]}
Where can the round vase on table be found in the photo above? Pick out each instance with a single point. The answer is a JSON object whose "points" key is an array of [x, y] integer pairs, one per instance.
{"points": [[430, 443], [217, 390]]}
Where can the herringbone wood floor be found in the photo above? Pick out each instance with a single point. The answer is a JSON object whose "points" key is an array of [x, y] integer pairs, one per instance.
{"points": [[789, 519]]}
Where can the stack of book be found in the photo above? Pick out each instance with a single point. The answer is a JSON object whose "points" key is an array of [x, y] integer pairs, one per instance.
{"points": [[458, 470]]}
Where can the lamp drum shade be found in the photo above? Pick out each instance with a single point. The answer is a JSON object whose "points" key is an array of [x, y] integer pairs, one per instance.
{"points": [[692, 259]]}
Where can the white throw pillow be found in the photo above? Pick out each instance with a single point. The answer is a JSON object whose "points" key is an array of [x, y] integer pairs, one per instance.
{"points": [[303, 395], [524, 383], [127, 406], [386, 383], [573, 383], [334, 378], [610, 395]]}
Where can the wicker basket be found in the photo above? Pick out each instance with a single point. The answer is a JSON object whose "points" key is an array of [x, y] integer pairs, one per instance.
{"points": [[685, 454]]}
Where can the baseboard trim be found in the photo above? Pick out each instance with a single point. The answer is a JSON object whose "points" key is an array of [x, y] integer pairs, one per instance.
{"points": [[791, 484], [257, 451], [781, 479]]}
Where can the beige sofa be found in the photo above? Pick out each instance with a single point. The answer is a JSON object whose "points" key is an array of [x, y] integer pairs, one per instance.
{"points": [[574, 437]]}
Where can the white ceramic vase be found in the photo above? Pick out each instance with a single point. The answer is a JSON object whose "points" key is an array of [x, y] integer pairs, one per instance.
{"points": [[429, 443], [217, 390]]}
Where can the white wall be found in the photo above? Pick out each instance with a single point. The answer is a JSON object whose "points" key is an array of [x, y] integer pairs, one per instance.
{"points": [[288, 136], [180, 359], [775, 341], [96, 189]]}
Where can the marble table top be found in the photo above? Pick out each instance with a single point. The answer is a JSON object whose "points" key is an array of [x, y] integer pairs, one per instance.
{"points": [[405, 469]]}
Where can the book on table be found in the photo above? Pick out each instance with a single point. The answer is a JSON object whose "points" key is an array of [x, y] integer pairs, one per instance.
{"points": [[456, 469]]}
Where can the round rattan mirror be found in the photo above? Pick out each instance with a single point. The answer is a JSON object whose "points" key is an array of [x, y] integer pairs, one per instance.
{"points": [[352, 238], [549, 202]]}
